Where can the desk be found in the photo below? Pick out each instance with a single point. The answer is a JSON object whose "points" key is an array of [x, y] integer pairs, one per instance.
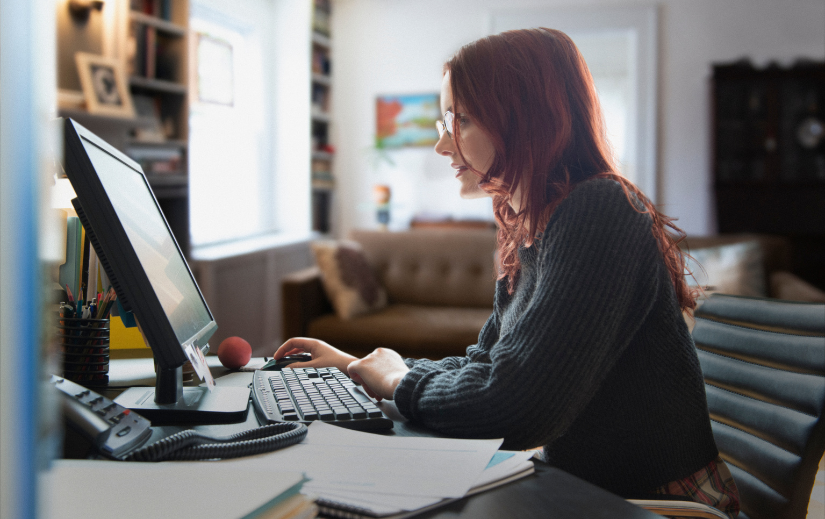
{"points": [[549, 491]]}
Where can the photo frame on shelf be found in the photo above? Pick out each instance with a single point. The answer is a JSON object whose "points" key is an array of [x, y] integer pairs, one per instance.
{"points": [[104, 85], [406, 120]]}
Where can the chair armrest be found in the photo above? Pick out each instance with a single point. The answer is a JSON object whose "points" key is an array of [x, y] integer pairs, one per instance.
{"points": [[303, 299], [679, 508]]}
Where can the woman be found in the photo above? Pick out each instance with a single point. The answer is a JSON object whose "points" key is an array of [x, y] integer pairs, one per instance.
{"points": [[586, 353]]}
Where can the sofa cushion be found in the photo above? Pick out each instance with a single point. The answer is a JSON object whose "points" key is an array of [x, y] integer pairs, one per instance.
{"points": [[734, 268], [434, 266], [349, 281], [413, 331]]}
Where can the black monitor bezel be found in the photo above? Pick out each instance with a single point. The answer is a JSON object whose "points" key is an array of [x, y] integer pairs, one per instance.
{"points": [[122, 263]]}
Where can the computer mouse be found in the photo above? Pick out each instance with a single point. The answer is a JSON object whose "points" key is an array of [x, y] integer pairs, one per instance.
{"points": [[278, 365]]}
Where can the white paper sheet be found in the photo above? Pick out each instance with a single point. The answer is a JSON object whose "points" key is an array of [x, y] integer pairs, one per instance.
{"points": [[514, 463], [342, 459]]}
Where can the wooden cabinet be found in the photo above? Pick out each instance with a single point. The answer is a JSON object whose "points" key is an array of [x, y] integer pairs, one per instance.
{"points": [[149, 38], [322, 179], [769, 156]]}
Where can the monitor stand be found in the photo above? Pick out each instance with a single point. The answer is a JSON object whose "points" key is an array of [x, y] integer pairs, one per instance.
{"points": [[170, 402]]}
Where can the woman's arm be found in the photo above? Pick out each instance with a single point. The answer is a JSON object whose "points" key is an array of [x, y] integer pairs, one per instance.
{"points": [[598, 280]]}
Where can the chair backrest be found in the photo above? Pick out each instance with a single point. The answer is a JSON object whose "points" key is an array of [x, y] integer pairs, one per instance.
{"points": [[763, 362]]}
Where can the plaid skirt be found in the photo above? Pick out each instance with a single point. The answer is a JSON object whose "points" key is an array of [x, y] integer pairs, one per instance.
{"points": [[712, 485]]}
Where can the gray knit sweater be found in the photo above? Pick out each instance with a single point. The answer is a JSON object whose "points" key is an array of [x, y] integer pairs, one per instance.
{"points": [[590, 357]]}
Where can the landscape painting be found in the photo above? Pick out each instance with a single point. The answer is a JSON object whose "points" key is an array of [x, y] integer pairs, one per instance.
{"points": [[406, 120]]}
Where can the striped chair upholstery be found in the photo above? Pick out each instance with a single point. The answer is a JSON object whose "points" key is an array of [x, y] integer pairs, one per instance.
{"points": [[764, 367]]}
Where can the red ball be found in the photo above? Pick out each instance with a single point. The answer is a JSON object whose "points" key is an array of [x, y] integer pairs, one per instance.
{"points": [[234, 352]]}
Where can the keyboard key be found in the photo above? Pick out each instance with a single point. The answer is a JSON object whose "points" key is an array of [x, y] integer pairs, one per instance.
{"points": [[341, 413], [326, 415]]}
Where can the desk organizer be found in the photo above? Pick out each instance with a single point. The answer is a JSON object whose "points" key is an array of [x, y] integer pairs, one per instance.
{"points": [[85, 347]]}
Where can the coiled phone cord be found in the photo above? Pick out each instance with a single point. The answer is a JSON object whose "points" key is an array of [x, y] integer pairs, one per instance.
{"points": [[191, 445]]}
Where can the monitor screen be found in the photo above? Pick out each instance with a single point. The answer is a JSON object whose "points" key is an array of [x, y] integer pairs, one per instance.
{"points": [[136, 247], [154, 245], [147, 269]]}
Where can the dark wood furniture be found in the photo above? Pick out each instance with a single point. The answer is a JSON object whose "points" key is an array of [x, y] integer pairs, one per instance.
{"points": [[769, 156]]}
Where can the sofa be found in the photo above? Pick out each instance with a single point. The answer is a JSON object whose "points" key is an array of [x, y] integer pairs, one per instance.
{"points": [[440, 287], [439, 284], [757, 265]]}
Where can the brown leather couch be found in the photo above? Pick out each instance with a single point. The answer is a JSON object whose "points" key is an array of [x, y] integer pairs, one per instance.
{"points": [[440, 285]]}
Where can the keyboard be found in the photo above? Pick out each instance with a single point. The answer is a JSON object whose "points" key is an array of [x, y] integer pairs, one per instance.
{"points": [[309, 394]]}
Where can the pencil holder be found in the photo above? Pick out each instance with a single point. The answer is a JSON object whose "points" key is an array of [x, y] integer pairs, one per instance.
{"points": [[85, 347]]}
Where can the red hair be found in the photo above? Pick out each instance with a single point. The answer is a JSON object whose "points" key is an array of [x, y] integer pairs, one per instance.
{"points": [[531, 92]]}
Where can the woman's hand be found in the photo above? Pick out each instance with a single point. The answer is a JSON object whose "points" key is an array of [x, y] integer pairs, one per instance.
{"points": [[323, 355], [379, 373]]}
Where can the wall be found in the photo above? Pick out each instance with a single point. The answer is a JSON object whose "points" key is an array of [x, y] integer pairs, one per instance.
{"points": [[398, 46]]}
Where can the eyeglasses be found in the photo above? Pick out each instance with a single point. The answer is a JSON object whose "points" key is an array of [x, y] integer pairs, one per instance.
{"points": [[446, 125]]}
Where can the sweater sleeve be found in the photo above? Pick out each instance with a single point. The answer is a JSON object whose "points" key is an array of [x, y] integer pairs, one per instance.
{"points": [[597, 283]]}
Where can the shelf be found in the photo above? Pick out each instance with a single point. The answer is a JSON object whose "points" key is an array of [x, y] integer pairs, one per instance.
{"points": [[321, 79], [82, 116], [321, 117], [321, 155], [173, 143], [158, 85], [167, 179], [158, 23], [321, 40], [322, 186]]}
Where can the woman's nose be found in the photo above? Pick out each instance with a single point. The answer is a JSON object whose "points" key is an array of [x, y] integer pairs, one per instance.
{"points": [[444, 145]]}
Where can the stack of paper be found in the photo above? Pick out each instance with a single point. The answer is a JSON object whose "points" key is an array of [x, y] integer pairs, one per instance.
{"points": [[361, 473]]}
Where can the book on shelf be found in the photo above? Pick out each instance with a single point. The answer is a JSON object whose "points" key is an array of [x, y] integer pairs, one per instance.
{"points": [[157, 159], [160, 8], [321, 17]]}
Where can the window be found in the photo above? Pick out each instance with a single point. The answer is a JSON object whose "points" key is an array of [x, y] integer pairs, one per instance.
{"points": [[232, 174], [619, 46]]}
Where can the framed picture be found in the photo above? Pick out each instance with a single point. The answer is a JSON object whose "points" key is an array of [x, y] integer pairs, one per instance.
{"points": [[215, 71], [406, 120], [104, 85]]}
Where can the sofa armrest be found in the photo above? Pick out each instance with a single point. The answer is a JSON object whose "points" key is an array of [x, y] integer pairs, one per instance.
{"points": [[303, 299], [784, 285]]}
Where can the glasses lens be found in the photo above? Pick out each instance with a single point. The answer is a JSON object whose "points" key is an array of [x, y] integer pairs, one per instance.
{"points": [[448, 123], [441, 129]]}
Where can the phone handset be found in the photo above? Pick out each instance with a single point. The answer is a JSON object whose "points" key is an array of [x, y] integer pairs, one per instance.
{"points": [[121, 434], [113, 430]]}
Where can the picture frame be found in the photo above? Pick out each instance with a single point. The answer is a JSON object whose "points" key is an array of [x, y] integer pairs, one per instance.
{"points": [[105, 87], [406, 120]]}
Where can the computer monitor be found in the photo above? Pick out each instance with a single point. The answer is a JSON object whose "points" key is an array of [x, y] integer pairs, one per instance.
{"points": [[150, 275]]}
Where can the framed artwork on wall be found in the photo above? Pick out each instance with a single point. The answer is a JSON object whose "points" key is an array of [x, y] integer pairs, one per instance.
{"points": [[215, 70], [406, 120], [104, 85]]}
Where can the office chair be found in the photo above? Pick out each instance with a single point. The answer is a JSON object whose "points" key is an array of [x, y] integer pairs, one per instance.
{"points": [[763, 362]]}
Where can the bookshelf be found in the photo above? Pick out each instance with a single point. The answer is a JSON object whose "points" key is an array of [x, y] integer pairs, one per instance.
{"points": [[150, 39], [769, 156], [321, 161]]}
